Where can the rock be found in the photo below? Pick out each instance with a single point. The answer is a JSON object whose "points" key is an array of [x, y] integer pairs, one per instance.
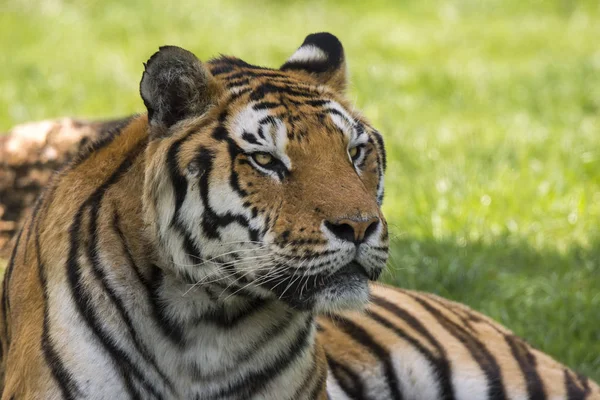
{"points": [[29, 154]]}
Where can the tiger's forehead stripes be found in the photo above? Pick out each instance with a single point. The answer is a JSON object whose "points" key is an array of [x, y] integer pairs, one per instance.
{"points": [[269, 125], [256, 130], [285, 93], [269, 102]]}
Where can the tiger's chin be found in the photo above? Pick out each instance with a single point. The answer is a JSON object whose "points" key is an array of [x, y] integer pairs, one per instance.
{"points": [[353, 294], [346, 289]]}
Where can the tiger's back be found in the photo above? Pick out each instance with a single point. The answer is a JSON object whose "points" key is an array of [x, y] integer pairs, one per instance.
{"points": [[425, 347]]}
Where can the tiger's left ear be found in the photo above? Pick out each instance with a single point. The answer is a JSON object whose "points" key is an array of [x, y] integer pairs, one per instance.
{"points": [[322, 56], [176, 85]]}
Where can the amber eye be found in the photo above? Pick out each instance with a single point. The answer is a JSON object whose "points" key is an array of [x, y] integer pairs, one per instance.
{"points": [[263, 159], [355, 153], [268, 163]]}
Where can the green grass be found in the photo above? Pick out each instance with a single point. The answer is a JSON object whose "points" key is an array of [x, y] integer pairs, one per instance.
{"points": [[491, 111]]}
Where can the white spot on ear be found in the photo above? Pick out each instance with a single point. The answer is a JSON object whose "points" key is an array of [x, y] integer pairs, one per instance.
{"points": [[308, 54]]}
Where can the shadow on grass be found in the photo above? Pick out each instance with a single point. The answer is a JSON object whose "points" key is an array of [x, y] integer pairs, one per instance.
{"points": [[549, 298]]}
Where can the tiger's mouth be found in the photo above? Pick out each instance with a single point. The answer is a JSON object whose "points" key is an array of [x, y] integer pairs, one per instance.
{"points": [[304, 293]]}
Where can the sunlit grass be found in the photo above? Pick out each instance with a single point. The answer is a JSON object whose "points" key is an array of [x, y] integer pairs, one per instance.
{"points": [[491, 111]]}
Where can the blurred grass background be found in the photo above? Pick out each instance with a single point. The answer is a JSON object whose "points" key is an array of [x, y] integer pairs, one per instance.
{"points": [[491, 111]]}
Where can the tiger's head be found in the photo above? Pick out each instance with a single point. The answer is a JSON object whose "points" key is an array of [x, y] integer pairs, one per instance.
{"points": [[264, 181]]}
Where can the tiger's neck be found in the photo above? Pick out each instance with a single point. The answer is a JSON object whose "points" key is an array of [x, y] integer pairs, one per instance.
{"points": [[185, 341], [239, 346]]}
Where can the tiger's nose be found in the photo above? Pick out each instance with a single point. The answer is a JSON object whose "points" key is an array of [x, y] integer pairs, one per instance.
{"points": [[353, 230]]}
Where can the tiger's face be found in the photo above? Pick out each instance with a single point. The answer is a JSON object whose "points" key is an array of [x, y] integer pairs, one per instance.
{"points": [[264, 182]]}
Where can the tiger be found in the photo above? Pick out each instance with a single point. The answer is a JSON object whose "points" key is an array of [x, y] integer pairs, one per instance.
{"points": [[226, 244]]}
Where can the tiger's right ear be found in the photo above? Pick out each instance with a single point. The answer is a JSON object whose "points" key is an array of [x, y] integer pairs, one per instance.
{"points": [[176, 86], [321, 56]]}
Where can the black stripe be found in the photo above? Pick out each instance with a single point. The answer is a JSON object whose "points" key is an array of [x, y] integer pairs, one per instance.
{"points": [[6, 284], [266, 88], [221, 69], [211, 221], [216, 289], [234, 61], [266, 338], [360, 129], [259, 74], [362, 163], [177, 180], [125, 248], [476, 348], [33, 219], [317, 103], [151, 286], [339, 114], [585, 382], [250, 138], [223, 317], [189, 245], [309, 379], [350, 382], [439, 362], [255, 381], [361, 336], [261, 132], [61, 374], [233, 96], [574, 392], [460, 313], [83, 299], [527, 363], [265, 105], [379, 140], [306, 254], [170, 328], [220, 133], [321, 383], [237, 83], [93, 254], [180, 188], [268, 120], [111, 130]]}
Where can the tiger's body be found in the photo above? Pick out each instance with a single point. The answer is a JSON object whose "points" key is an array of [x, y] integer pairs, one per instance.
{"points": [[220, 248]]}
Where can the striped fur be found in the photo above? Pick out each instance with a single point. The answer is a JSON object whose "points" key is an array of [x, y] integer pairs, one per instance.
{"points": [[216, 248]]}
